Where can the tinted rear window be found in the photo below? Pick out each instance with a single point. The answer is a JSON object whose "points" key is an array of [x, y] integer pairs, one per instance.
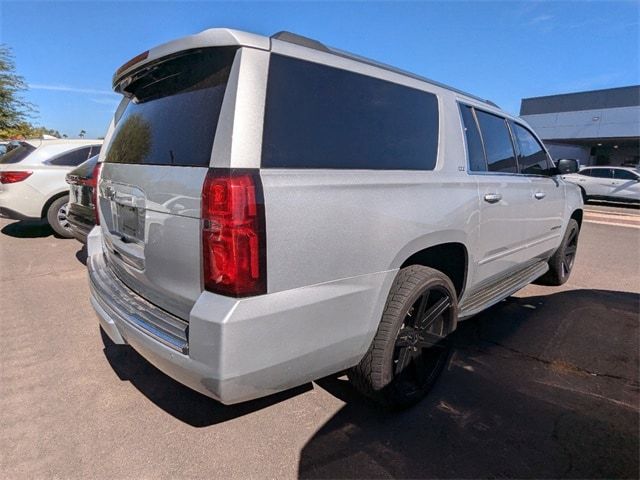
{"points": [[602, 172], [71, 159], [322, 117], [624, 175], [497, 143], [17, 154], [173, 112]]}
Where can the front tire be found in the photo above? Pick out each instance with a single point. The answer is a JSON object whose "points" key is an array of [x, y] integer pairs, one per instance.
{"points": [[410, 348], [562, 262], [57, 217]]}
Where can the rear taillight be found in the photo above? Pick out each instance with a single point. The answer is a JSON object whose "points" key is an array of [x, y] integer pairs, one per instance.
{"points": [[95, 177], [233, 233], [14, 177]]}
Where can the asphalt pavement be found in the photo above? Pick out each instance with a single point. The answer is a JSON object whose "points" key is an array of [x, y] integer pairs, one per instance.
{"points": [[543, 385]]}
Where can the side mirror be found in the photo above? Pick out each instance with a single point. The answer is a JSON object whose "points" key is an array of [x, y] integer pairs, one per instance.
{"points": [[567, 165]]}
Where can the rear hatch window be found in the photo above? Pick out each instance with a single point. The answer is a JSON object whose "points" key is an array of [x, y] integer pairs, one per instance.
{"points": [[16, 155], [173, 111], [150, 189]]}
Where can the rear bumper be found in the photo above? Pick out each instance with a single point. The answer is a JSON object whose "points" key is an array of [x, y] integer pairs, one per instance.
{"points": [[240, 349], [21, 201], [80, 225]]}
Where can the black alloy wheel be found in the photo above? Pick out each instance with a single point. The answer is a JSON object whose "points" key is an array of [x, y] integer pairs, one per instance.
{"points": [[420, 347], [410, 348]]}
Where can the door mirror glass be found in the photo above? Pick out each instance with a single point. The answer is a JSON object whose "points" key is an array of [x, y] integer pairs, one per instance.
{"points": [[567, 165]]}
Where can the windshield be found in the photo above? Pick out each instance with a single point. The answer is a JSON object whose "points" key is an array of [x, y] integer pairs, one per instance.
{"points": [[173, 112], [17, 154]]}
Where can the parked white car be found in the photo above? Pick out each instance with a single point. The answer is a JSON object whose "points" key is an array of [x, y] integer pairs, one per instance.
{"points": [[607, 183], [32, 179]]}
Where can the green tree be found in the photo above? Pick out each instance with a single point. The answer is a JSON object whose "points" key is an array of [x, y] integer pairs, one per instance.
{"points": [[14, 110]]}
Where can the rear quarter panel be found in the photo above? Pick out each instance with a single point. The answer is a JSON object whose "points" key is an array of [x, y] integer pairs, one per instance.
{"points": [[328, 225]]}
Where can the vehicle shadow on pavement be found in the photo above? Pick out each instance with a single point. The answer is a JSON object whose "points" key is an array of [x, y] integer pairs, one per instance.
{"points": [[81, 255], [536, 387], [28, 229], [174, 398]]}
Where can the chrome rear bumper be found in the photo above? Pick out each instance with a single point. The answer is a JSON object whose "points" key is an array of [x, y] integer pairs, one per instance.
{"points": [[117, 300]]}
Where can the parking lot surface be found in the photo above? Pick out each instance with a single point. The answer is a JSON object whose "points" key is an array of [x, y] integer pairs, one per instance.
{"points": [[544, 385]]}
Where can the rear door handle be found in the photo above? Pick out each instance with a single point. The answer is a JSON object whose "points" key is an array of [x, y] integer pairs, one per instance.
{"points": [[492, 197], [539, 195]]}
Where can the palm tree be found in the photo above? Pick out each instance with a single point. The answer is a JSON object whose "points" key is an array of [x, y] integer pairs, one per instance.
{"points": [[82, 133]]}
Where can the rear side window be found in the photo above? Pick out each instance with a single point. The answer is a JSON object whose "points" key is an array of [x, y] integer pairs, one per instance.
{"points": [[602, 172], [71, 159], [323, 117], [17, 154], [532, 158], [173, 111], [475, 151], [497, 143], [95, 150]]}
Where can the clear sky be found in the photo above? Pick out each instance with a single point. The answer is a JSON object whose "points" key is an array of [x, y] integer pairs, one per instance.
{"points": [[503, 51]]}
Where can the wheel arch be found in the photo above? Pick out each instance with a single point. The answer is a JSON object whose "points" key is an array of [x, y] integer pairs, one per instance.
{"points": [[577, 216], [52, 199], [451, 258], [583, 192]]}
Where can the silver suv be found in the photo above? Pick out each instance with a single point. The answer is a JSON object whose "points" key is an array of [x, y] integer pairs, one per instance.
{"points": [[273, 211]]}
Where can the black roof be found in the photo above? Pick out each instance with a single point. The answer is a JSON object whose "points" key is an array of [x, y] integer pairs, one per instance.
{"points": [[573, 102]]}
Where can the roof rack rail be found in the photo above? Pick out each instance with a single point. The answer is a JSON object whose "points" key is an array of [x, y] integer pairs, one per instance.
{"points": [[300, 40], [316, 45]]}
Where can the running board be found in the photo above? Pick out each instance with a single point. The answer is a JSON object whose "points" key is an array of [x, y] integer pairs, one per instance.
{"points": [[496, 291]]}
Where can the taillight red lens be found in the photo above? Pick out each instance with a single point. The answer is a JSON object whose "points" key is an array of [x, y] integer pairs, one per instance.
{"points": [[233, 233], [14, 177], [95, 177]]}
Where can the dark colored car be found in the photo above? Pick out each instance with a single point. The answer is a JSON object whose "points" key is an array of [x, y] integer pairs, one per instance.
{"points": [[81, 213]]}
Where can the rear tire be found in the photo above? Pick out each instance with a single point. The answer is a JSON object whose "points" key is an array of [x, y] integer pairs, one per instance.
{"points": [[563, 260], [57, 217], [410, 348]]}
